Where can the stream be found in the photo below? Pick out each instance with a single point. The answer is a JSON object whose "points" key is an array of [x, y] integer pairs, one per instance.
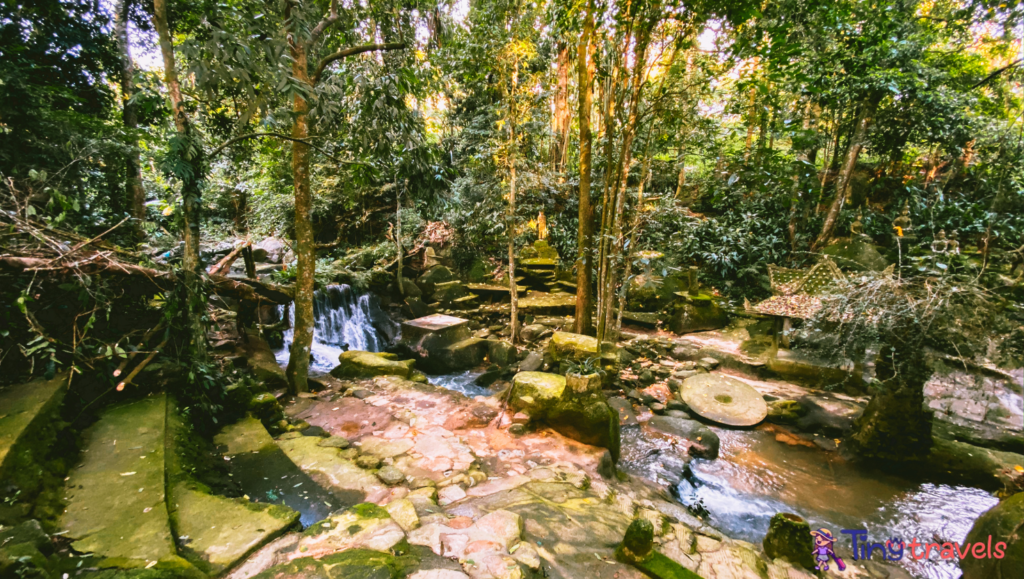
{"points": [[754, 477]]}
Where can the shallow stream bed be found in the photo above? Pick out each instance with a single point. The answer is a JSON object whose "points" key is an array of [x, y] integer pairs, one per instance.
{"points": [[757, 476]]}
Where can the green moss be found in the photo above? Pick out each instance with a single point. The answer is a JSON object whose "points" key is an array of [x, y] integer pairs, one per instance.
{"points": [[370, 511], [360, 364]]}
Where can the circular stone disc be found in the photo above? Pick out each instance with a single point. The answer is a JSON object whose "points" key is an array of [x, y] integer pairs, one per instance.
{"points": [[724, 400]]}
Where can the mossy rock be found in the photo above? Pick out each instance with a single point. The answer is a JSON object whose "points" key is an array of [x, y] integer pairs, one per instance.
{"points": [[1003, 522], [353, 564], [789, 538], [569, 346], [266, 407], [637, 549], [477, 272], [785, 411], [589, 420], [544, 250], [536, 390], [361, 364], [698, 313]]}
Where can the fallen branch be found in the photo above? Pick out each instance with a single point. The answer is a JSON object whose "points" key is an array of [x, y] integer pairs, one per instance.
{"points": [[223, 266], [247, 289], [141, 365], [89, 241]]}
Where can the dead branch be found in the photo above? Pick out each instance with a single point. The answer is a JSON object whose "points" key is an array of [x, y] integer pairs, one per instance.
{"points": [[222, 266]]}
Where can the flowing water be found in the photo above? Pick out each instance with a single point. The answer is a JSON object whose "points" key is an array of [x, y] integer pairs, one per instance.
{"points": [[343, 320], [756, 476]]}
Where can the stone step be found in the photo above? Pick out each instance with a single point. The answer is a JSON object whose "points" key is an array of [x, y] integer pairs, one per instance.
{"points": [[215, 532], [116, 508], [27, 414]]}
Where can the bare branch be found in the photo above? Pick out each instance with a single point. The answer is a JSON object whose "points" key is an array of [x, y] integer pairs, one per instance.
{"points": [[352, 51], [998, 72], [325, 23]]}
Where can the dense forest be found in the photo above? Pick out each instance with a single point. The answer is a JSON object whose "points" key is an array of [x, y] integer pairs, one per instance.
{"points": [[829, 193]]}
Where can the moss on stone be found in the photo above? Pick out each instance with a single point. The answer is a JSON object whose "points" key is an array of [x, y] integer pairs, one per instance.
{"points": [[360, 364], [789, 538]]}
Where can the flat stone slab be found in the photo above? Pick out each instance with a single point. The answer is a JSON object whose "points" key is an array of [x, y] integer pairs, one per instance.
{"points": [[115, 498], [245, 436], [441, 329], [543, 303], [362, 364], [20, 405], [224, 531], [328, 468], [724, 400]]}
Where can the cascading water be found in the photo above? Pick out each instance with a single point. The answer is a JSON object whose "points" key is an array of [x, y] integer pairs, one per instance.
{"points": [[343, 320]]}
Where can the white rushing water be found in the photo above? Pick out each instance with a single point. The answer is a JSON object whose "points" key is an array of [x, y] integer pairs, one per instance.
{"points": [[343, 320]]}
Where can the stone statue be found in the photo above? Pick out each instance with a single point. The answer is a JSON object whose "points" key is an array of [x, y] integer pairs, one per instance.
{"points": [[939, 244], [953, 246], [902, 224], [542, 226], [857, 227]]}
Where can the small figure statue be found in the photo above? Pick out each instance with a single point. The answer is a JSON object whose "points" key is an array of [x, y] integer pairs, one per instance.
{"points": [[542, 226], [954, 246], [857, 227], [902, 224], [940, 244]]}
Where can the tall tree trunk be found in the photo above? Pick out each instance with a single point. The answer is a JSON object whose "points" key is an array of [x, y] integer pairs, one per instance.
{"points": [[190, 190], [133, 169], [621, 177], [302, 339], [560, 139], [627, 258], [857, 140], [585, 242], [750, 125], [513, 291], [398, 239], [606, 199]]}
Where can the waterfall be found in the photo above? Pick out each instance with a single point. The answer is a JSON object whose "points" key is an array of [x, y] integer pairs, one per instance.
{"points": [[343, 320]]}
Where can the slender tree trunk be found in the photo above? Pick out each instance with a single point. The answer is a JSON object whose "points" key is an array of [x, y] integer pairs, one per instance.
{"points": [[606, 199], [585, 242], [190, 190], [621, 178], [133, 169], [750, 125], [302, 340], [627, 266], [398, 239], [561, 136], [857, 140], [513, 291]]}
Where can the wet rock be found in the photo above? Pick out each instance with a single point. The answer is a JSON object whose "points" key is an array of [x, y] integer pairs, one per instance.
{"points": [[517, 429], [704, 442], [385, 448], [789, 538], [439, 574], [415, 308], [785, 411], [339, 442], [360, 364], [990, 469], [367, 461], [678, 414], [637, 549], [708, 364], [361, 393], [624, 408], [390, 475], [501, 353], [533, 332], [531, 363], [364, 526], [658, 408], [315, 431], [1003, 524], [403, 512], [828, 414], [450, 494]]}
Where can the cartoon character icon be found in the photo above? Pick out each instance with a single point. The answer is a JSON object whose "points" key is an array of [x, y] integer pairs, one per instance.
{"points": [[823, 541]]}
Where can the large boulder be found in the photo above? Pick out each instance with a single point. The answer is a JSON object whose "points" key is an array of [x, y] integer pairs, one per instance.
{"points": [[1003, 523], [703, 441], [585, 417], [271, 250], [360, 364], [432, 277], [697, 313]]}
